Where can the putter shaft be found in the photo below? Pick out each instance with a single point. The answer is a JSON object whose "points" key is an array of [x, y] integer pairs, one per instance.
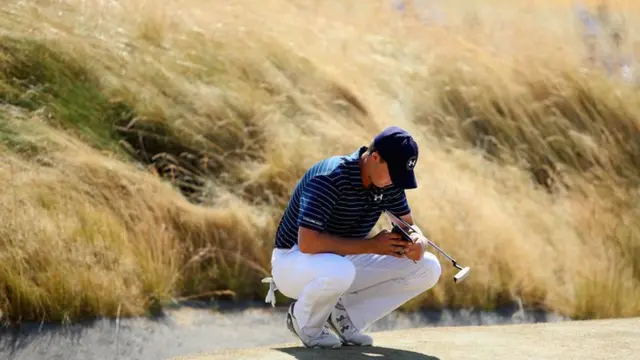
{"points": [[442, 252], [430, 243]]}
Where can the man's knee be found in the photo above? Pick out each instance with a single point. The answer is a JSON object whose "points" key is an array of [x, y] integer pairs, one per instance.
{"points": [[329, 274], [337, 277], [430, 270]]}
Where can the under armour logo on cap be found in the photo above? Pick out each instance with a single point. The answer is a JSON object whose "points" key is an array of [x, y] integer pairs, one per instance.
{"points": [[411, 163]]}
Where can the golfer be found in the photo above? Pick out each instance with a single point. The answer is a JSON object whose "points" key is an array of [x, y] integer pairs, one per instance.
{"points": [[342, 278]]}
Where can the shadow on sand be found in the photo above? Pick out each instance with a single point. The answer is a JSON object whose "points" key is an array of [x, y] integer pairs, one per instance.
{"points": [[355, 353]]}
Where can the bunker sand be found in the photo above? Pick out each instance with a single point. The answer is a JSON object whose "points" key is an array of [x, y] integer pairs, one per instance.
{"points": [[583, 340]]}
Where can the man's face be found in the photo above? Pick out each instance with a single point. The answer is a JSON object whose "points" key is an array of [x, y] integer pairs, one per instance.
{"points": [[379, 171]]}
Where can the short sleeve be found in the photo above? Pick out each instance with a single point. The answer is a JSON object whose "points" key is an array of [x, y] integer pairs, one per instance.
{"points": [[316, 203], [398, 204]]}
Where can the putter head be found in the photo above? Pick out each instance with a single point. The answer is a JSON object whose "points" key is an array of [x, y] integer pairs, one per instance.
{"points": [[461, 275]]}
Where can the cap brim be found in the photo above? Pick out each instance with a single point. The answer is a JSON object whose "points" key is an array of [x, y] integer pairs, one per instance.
{"points": [[407, 180]]}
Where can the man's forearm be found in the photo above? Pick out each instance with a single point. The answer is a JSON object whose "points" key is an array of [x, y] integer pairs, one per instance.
{"points": [[409, 220], [313, 242]]}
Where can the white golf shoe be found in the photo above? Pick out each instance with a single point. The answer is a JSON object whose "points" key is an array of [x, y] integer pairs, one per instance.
{"points": [[325, 340], [342, 325]]}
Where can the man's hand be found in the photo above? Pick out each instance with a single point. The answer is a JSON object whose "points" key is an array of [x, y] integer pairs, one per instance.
{"points": [[389, 243], [415, 251]]}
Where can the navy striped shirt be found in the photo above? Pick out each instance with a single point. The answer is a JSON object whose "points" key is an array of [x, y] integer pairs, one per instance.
{"points": [[330, 198]]}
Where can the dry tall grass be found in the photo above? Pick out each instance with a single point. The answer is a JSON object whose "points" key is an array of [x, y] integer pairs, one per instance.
{"points": [[106, 103]]}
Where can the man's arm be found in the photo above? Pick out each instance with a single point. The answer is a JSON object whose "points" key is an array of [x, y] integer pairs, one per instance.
{"points": [[399, 206], [316, 204], [311, 242], [419, 243], [409, 220]]}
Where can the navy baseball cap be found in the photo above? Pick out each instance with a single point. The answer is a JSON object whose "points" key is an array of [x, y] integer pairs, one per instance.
{"points": [[398, 148]]}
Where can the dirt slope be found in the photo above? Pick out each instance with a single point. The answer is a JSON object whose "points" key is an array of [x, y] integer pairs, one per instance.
{"points": [[584, 340]]}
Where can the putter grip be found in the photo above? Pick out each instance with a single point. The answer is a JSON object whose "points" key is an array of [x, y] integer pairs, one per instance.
{"points": [[398, 230]]}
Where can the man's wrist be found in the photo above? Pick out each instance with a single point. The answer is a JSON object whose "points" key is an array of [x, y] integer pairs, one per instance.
{"points": [[418, 237], [415, 228], [423, 242]]}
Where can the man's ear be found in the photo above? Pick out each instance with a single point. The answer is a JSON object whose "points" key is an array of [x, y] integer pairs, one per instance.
{"points": [[375, 156]]}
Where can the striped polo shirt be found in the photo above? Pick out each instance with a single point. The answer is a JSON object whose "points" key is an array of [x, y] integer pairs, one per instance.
{"points": [[330, 198]]}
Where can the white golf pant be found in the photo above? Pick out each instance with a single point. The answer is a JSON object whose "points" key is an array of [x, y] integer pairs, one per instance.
{"points": [[371, 286]]}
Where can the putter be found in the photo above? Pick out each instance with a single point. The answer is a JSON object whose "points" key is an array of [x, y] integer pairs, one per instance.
{"points": [[464, 271]]}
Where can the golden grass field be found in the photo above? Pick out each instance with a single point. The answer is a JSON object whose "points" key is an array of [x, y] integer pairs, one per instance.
{"points": [[148, 148]]}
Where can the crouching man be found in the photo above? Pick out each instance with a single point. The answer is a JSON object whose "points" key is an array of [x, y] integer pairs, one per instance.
{"points": [[343, 280]]}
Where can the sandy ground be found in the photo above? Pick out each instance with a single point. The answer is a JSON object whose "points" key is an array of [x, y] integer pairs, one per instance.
{"points": [[584, 340]]}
